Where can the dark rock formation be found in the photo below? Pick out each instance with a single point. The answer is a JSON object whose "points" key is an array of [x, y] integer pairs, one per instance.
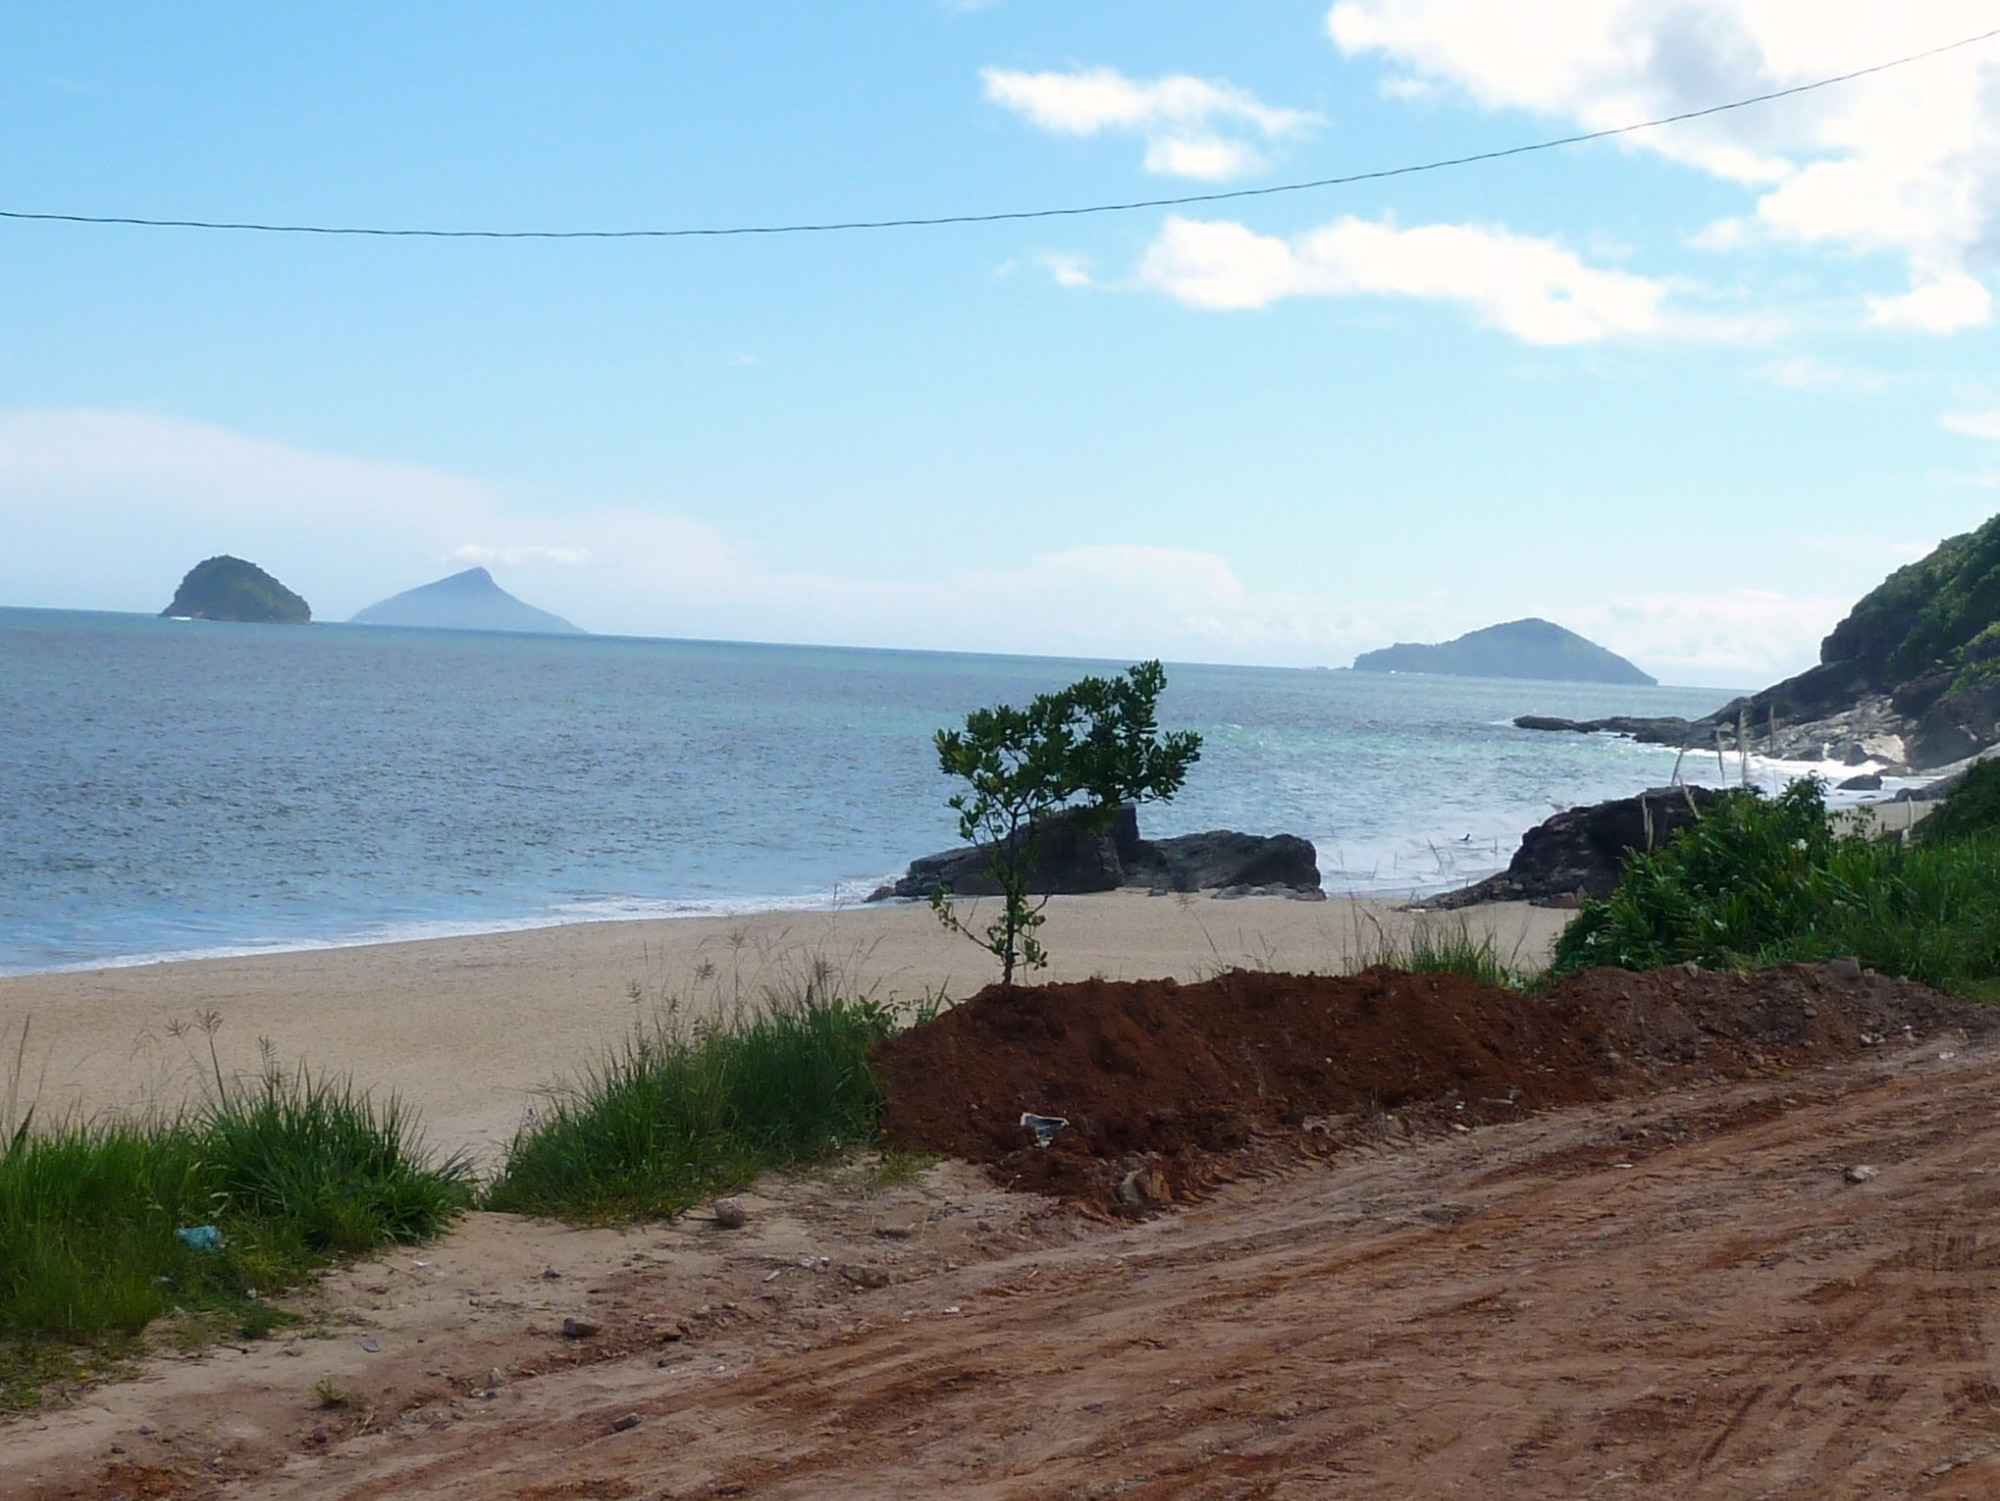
{"points": [[1581, 853], [1664, 730], [468, 601], [1223, 860], [1074, 859], [1519, 649], [226, 588], [1868, 731]]}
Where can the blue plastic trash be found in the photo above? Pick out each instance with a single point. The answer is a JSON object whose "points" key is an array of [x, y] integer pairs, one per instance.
{"points": [[1044, 1126], [200, 1237]]}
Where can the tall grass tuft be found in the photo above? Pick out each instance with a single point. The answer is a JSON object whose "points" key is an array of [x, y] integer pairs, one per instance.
{"points": [[681, 1112], [1443, 945], [291, 1172], [311, 1169]]}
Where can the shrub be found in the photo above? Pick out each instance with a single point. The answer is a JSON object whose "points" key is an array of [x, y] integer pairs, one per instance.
{"points": [[1972, 807], [1092, 745], [1765, 880]]}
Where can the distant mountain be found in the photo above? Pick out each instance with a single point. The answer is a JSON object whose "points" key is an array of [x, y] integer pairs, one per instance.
{"points": [[1519, 649], [468, 601], [226, 588]]}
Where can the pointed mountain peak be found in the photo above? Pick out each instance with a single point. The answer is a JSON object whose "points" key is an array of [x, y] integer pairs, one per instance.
{"points": [[465, 601]]}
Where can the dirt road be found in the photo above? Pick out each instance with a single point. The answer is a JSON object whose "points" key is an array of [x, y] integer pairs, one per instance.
{"points": [[1673, 1295]]}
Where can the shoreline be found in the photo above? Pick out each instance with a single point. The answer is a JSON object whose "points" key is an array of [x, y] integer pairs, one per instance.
{"points": [[838, 899], [471, 1031]]}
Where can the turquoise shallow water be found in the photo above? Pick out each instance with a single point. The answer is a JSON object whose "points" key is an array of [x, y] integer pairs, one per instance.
{"points": [[175, 787]]}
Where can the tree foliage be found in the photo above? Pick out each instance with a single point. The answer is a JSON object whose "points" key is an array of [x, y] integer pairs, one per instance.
{"points": [[1088, 747]]}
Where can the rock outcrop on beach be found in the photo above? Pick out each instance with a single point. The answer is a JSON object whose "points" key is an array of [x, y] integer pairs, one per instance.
{"points": [[1581, 852], [226, 588], [1518, 649], [468, 601], [1075, 859], [1910, 679]]}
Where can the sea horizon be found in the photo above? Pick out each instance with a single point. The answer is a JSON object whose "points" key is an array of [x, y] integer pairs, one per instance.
{"points": [[287, 799]]}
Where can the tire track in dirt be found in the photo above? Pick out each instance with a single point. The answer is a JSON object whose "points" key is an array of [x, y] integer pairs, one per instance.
{"points": [[1678, 1294]]}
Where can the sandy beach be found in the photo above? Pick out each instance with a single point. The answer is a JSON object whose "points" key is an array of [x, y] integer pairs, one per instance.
{"points": [[470, 1030]]}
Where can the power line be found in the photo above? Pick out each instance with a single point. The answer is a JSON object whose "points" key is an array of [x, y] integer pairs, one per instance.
{"points": [[1011, 215]]}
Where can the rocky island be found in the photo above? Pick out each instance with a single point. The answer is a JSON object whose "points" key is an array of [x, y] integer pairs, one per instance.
{"points": [[226, 588], [1528, 648], [1909, 680], [468, 601]]}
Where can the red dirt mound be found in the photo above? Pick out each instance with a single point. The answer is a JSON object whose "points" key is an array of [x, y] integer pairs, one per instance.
{"points": [[1159, 1082]]}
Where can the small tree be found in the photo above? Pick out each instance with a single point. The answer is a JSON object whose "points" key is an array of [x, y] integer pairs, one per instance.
{"points": [[1087, 747]]}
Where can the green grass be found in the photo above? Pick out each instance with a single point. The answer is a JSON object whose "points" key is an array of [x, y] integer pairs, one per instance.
{"points": [[294, 1171], [1973, 807], [679, 1113], [1762, 881], [1444, 945]]}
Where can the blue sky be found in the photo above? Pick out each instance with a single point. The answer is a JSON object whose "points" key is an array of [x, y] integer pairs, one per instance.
{"points": [[1690, 393]]}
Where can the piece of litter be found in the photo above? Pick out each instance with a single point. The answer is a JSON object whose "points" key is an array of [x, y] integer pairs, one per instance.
{"points": [[1044, 1126], [1946, 1056], [1861, 1172], [951, 1308], [200, 1237], [372, 1346], [420, 1263], [772, 1276], [627, 1423]]}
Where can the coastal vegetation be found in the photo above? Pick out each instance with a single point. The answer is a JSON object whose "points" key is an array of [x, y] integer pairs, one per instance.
{"points": [[1082, 751], [1760, 881], [226, 588], [682, 1112], [106, 1226]]}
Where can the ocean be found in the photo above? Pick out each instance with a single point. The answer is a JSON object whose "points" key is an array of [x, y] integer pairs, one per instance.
{"points": [[182, 788]]}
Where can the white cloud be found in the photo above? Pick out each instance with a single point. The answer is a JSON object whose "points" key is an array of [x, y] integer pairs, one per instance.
{"points": [[1533, 289], [1973, 424], [1937, 307], [1905, 162], [1192, 127], [1068, 270], [1208, 158], [1804, 373], [107, 509], [1740, 636], [1722, 235], [514, 557]]}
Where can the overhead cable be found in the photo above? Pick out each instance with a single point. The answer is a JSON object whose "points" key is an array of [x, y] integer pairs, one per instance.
{"points": [[1007, 215]]}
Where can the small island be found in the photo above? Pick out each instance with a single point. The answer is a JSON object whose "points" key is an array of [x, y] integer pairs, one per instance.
{"points": [[1518, 649], [226, 588], [468, 601]]}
